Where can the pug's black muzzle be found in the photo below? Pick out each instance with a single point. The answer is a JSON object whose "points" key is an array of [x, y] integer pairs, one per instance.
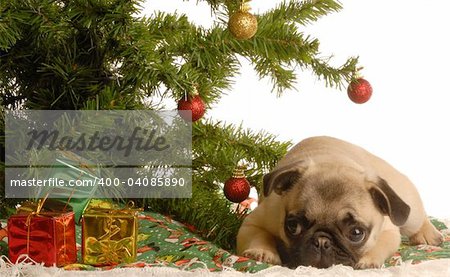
{"points": [[319, 249]]}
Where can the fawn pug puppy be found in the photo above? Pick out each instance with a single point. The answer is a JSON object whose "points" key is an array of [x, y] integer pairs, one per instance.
{"points": [[331, 202]]}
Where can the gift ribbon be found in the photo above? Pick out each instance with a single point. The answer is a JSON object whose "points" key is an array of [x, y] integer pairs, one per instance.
{"points": [[36, 212]]}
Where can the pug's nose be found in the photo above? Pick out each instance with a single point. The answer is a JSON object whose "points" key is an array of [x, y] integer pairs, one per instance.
{"points": [[322, 243]]}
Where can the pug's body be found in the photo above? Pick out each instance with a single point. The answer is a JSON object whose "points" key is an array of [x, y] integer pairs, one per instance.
{"points": [[331, 202]]}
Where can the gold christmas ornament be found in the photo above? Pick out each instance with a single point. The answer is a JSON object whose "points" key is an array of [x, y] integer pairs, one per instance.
{"points": [[242, 24]]}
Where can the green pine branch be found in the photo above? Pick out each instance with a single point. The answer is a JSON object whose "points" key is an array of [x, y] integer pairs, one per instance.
{"points": [[230, 144], [304, 12], [81, 49], [335, 76]]}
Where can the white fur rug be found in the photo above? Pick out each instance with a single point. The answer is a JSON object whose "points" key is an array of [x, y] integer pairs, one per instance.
{"points": [[436, 268]]}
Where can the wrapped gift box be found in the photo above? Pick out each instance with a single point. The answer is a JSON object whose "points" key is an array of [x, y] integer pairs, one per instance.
{"points": [[109, 236], [45, 236], [70, 167]]}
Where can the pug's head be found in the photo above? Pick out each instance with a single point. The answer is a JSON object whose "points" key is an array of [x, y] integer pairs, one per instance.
{"points": [[332, 214]]}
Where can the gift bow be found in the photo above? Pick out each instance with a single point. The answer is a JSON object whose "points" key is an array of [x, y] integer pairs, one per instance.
{"points": [[35, 212], [105, 251]]}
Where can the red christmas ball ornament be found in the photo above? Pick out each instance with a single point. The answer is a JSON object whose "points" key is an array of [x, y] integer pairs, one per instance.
{"points": [[359, 91], [194, 104], [237, 188]]}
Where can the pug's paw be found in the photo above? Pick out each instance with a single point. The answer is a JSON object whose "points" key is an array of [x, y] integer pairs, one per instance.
{"points": [[262, 255], [369, 262], [427, 234]]}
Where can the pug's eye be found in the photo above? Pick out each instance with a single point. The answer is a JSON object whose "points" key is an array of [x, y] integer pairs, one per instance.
{"points": [[356, 234], [293, 226]]}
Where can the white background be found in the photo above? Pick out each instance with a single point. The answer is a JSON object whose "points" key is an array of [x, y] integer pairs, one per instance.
{"points": [[404, 48]]}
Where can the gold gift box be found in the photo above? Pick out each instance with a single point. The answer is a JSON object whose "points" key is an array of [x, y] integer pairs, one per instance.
{"points": [[109, 236]]}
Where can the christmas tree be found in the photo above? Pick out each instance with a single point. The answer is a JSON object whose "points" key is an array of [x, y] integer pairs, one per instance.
{"points": [[98, 54]]}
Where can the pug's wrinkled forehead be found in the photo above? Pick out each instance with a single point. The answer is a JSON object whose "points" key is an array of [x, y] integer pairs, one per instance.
{"points": [[291, 176], [329, 199]]}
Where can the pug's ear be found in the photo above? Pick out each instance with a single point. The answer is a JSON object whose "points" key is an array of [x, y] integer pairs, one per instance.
{"points": [[281, 180], [389, 202]]}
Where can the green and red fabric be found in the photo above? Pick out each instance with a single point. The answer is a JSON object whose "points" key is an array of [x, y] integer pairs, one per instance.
{"points": [[163, 241]]}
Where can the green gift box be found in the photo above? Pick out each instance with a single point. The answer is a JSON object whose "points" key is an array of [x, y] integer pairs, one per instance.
{"points": [[73, 169]]}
